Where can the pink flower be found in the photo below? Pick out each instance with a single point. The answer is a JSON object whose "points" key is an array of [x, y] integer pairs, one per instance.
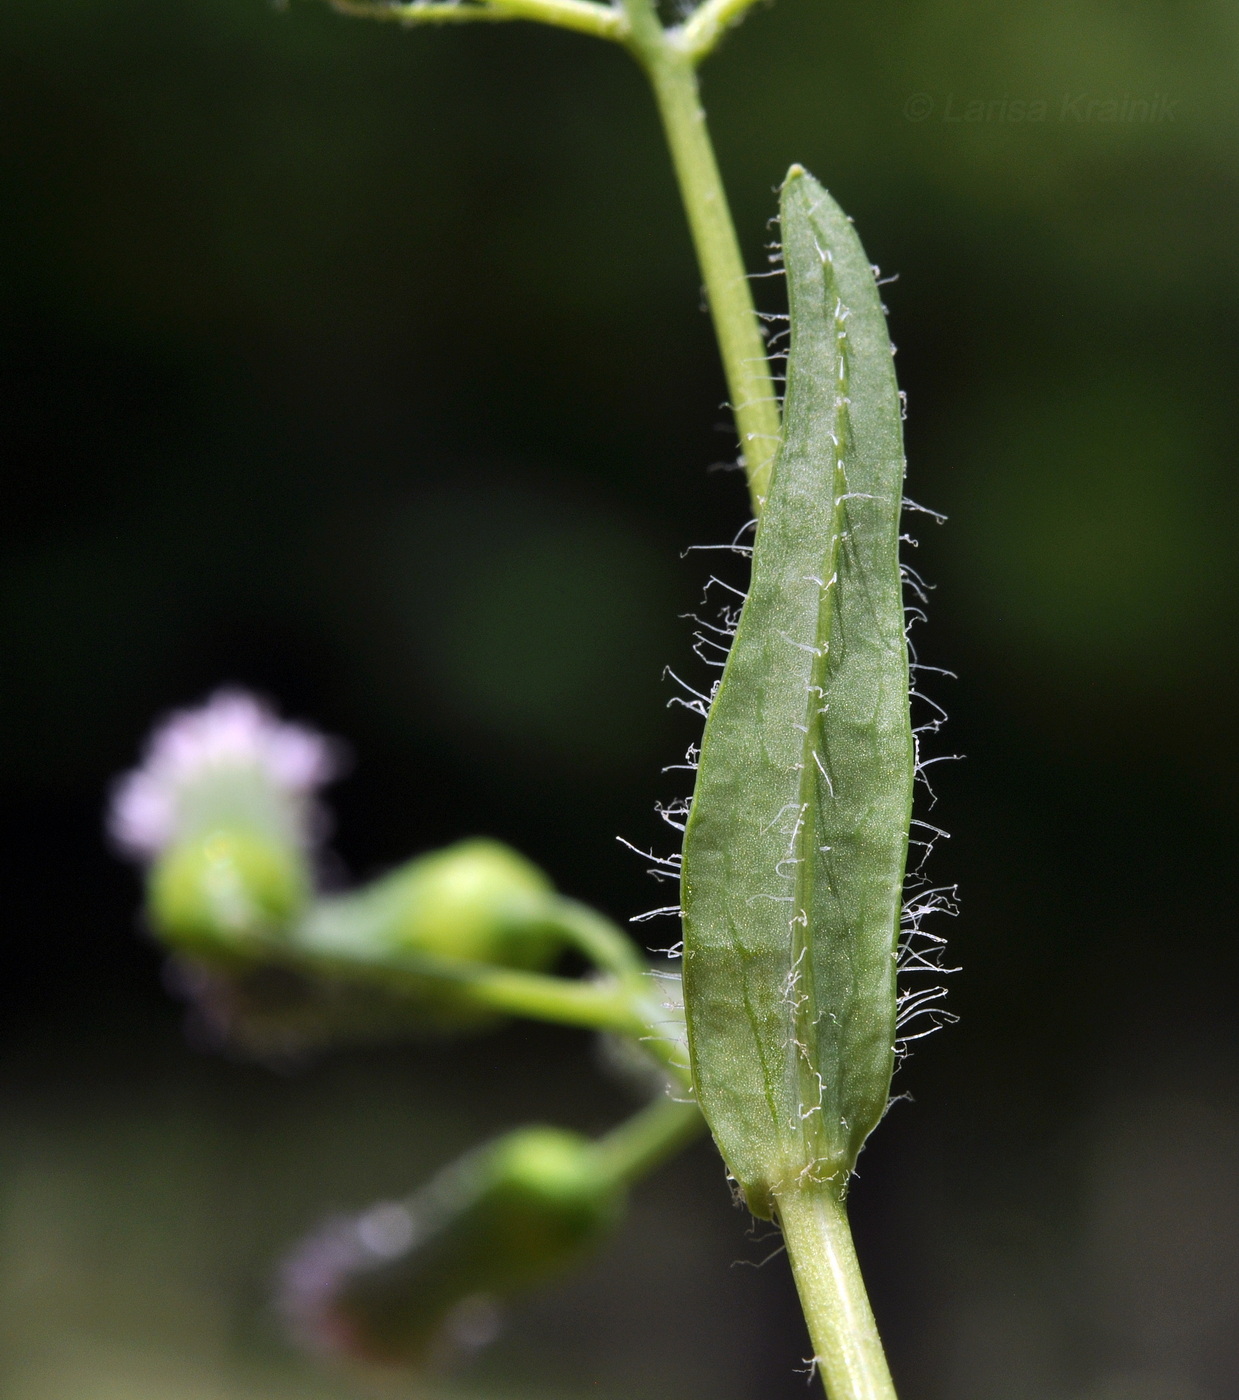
{"points": [[231, 752]]}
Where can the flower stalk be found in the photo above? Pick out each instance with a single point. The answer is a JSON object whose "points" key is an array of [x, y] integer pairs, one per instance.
{"points": [[670, 58]]}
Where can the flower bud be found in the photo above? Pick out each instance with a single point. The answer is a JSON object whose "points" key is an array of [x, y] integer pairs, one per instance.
{"points": [[386, 1287], [223, 811], [230, 763], [214, 893], [475, 902]]}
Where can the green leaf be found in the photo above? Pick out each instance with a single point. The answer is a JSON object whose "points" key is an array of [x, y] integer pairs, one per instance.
{"points": [[796, 844]]}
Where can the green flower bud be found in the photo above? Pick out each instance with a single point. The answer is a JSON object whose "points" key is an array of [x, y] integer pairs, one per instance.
{"points": [[213, 893], [476, 902], [385, 1287]]}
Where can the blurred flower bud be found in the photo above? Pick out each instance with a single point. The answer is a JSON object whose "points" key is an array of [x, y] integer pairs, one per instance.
{"points": [[391, 1286], [229, 764], [214, 892], [223, 810], [477, 901]]}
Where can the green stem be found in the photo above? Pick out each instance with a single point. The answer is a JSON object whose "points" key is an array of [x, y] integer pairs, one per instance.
{"points": [[606, 946], [701, 31], [599, 1006], [846, 1347], [418, 11], [585, 16], [648, 1138], [672, 74]]}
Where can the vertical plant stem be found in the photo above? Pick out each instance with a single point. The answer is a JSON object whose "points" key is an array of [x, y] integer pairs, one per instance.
{"points": [[673, 77], [846, 1346]]}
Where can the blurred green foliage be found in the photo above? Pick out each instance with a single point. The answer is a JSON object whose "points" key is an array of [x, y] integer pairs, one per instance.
{"points": [[368, 368]]}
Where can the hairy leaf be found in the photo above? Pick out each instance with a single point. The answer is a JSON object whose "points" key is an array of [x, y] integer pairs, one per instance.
{"points": [[797, 840]]}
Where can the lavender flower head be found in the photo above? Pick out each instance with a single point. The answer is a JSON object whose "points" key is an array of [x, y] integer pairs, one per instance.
{"points": [[230, 760]]}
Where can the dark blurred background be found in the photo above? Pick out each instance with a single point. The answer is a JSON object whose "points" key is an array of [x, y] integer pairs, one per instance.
{"points": [[368, 368]]}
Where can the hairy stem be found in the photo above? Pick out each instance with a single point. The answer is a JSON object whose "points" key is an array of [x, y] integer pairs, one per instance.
{"points": [[672, 74], [846, 1347]]}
